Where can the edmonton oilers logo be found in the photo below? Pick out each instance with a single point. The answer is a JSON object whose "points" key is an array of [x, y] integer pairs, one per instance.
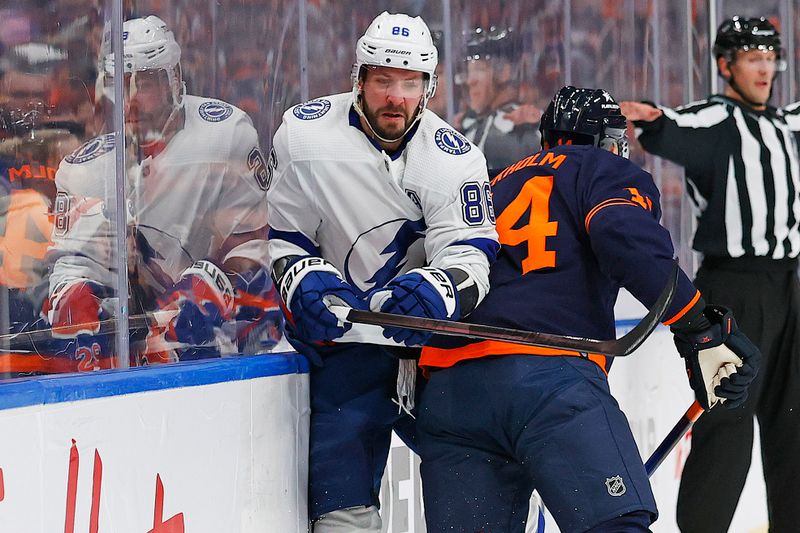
{"points": [[451, 142], [92, 149], [215, 111], [311, 110]]}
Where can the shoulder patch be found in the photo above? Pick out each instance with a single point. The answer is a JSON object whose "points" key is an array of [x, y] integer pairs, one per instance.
{"points": [[451, 141], [215, 111], [92, 149], [312, 109]]}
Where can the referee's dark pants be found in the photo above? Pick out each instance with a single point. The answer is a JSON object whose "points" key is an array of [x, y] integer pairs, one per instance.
{"points": [[764, 295]]}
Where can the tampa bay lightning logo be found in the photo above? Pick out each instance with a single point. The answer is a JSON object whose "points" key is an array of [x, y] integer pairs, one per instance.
{"points": [[215, 111], [397, 239], [92, 149], [451, 141], [311, 110]]}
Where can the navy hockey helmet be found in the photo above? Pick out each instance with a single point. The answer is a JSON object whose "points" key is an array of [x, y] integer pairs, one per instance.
{"points": [[739, 33], [492, 43], [584, 116]]}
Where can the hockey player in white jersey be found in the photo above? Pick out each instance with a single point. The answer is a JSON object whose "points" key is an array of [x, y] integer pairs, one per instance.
{"points": [[378, 204], [196, 216]]}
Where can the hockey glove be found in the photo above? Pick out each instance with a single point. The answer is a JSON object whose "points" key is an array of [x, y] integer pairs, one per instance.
{"points": [[74, 311], [258, 320], [195, 309], [720, 360], [423, 292], [307, 287]]}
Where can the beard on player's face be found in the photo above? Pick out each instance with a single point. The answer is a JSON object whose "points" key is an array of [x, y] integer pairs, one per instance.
{"points": [[389, 121]]}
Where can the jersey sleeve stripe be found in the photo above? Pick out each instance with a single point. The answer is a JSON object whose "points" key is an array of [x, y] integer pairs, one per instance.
{"points": [[489, 247], [683, 311], [603, 205], [296, 238], [792, 109], [704, 118]]}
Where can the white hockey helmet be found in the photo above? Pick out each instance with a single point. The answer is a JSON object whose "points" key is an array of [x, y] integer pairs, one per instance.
{"points": [[147, 45], [398, 41]]}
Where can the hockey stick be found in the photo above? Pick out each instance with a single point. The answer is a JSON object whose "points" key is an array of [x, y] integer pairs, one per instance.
{"points": [[673, 437], [613, 348], [26, 340]]}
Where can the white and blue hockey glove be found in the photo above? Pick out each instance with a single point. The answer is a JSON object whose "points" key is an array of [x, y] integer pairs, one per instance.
{"points": [[423, 292], [307, 287], [721, 362]]}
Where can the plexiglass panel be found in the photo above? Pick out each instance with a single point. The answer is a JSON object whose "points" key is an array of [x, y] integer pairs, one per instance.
{"points": [[48, 57], [197, 101], [186, 167]]}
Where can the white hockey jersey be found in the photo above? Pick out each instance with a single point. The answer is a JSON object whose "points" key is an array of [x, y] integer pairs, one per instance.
{"points": [[207, 185], [335, 194]]}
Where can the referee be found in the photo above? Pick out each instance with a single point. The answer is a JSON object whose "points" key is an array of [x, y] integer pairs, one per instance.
{"points": [[742, 174]]}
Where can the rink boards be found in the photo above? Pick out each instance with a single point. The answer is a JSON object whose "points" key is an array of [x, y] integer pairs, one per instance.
{"points": [[221, 446], [198, 447]]}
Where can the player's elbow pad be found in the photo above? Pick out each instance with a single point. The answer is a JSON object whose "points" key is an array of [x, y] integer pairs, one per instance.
{"points": [[469, 291]]}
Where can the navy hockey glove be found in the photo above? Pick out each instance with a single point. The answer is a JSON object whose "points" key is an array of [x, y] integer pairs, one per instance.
{"points": [[258, 320], [75, 312], [720, 360], [190, 316], [307, 287], [423, 292]]}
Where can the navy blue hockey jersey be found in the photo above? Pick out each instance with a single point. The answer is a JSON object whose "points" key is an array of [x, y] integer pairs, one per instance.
{"points": [[576, 223]]}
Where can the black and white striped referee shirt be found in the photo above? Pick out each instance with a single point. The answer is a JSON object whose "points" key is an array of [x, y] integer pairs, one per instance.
{"points": [[742, 173]]}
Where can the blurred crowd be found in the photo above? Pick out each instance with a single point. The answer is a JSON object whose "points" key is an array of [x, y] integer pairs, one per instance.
{"points": [[500, 63], [266, 55]]}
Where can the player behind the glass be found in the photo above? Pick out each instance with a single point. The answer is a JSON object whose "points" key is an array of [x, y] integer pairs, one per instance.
{"points": [[380, 204], [196, 183], [577, 221]]}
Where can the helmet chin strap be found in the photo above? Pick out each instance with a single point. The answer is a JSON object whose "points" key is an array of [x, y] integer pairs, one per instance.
{"points": [[153, 145], [418, 114], [735, 86], [156, 143]]}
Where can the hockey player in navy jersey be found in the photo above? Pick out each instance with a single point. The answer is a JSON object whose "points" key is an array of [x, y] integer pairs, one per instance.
{"points": [[576, 221], [380, 204]]}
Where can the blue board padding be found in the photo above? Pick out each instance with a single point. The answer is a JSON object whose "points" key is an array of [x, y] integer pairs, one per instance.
{"points": [[69, 388]]}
